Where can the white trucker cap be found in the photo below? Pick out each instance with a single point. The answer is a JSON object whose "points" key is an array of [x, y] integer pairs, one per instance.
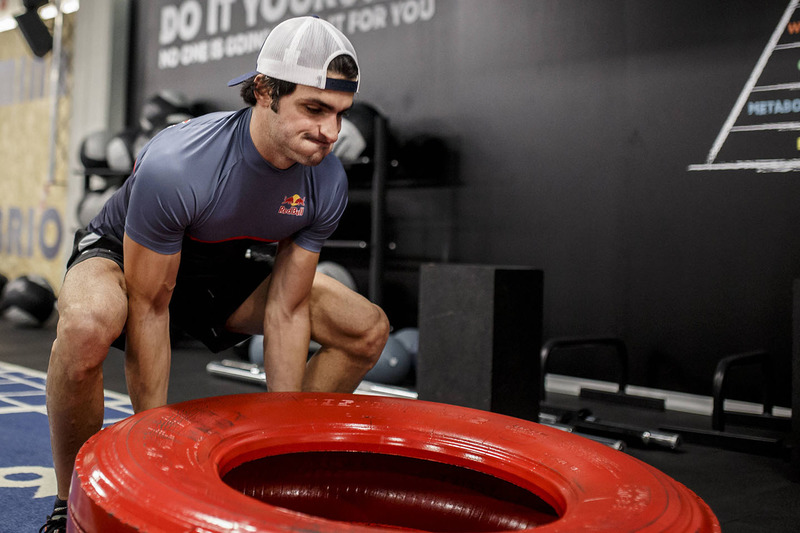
{"points": [[299, 50]]}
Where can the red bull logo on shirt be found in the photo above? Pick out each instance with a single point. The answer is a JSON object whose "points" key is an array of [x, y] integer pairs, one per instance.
{"points": [[293, 205]]}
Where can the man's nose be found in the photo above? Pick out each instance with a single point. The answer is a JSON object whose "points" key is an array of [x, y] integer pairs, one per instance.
{"points": [[329, 129]]}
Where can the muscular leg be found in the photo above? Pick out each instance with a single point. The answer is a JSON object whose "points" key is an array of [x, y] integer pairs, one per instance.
{"points": [[92, 308], [351, 329], [352, 332]]}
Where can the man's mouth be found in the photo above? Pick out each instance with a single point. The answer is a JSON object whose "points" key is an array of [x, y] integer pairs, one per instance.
{"points": [[321, 142]]}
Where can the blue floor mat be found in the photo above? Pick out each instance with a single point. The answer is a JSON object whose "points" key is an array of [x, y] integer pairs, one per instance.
{"points": [[27, 478]]}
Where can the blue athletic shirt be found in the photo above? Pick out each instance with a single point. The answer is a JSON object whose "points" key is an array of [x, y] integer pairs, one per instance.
{"points": [[204, 180]]}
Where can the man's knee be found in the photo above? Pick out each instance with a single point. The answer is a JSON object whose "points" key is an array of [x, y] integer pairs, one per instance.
{"points": [[374, 336], [83, 338]]}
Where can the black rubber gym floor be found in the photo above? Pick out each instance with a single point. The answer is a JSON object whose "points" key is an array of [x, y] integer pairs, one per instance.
{"points": [[747, 492]]}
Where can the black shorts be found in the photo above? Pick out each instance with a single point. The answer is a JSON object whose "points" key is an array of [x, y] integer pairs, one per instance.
{"points": [[213, 281]]}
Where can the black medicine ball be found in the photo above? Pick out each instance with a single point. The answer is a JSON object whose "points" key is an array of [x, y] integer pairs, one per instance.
{"points": [[93, 150], [164, 109], [28, 301]]}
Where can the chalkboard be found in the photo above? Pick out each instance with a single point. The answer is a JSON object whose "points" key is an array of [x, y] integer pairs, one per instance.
{"points": [[763, 129]]}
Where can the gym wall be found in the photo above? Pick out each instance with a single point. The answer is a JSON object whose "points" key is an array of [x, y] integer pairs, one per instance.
{"points": [[32, 208], [574, 125]]}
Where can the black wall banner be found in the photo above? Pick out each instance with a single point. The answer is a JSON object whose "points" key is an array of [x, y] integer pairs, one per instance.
{"points": [[195, 33], [575, 125], [195, 46]]}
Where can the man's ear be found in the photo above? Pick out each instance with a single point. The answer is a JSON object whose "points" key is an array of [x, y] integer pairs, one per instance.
{"points": [[261, 90]]}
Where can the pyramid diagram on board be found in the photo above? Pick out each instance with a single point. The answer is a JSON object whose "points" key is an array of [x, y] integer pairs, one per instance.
{"points": [[763, 129]]}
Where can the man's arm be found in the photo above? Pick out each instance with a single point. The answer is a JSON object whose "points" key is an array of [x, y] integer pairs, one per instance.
{"points": [[287, 317], [150, 279]]}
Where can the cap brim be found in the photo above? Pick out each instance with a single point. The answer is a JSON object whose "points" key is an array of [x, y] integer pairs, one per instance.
{"points": [[242, 78]]}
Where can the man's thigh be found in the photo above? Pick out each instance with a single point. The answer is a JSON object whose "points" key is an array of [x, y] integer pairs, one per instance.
{"points": [[95, 288]]}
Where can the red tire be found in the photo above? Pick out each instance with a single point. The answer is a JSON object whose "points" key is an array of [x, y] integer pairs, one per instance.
{"points": [[426, 466]]}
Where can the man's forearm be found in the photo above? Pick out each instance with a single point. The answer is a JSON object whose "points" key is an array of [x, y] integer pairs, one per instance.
{"points": [[287, 317], [286, 339], [147, 356]]}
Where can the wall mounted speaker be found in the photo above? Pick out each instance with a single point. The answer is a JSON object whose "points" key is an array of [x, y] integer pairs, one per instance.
{"points": [[35, 32]]}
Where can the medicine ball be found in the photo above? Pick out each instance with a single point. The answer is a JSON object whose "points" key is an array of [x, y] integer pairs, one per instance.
{"points": [[393, 366], [362, 117], [28, 301], [339, 273], [93, 150], [164, 109], [255, 350], [409, 338], [357, 150], [91, 204], [123, 149], [350, 144]]}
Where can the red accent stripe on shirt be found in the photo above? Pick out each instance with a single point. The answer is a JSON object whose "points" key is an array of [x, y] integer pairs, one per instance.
{"points": [[232, 239]]}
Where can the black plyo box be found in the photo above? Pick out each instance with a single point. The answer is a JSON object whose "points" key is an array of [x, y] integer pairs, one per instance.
{"points": [[480, 337]]}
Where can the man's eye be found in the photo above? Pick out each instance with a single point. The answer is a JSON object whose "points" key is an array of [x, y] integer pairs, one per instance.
{"points": [[313, 110]]}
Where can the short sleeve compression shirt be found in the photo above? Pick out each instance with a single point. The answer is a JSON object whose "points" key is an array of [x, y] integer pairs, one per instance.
{"points": [[204, 180]]}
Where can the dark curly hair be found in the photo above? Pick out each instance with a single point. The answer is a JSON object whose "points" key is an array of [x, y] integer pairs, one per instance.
{"points": [[343, 65]]}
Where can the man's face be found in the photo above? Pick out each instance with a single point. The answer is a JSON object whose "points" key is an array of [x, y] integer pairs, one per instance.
{"points": [[306, 125]]}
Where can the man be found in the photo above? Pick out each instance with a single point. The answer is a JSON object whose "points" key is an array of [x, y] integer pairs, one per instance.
{"points": [[171, 247]]}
